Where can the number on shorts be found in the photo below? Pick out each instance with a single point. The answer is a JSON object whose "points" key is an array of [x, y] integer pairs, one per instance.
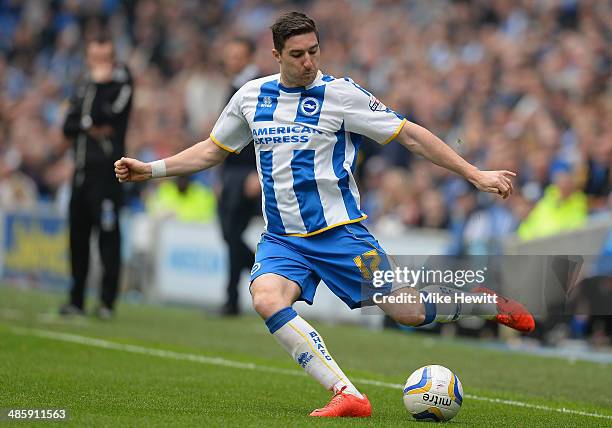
{"points": [[366, 269]]}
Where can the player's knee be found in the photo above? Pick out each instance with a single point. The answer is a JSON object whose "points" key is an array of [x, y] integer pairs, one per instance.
{"points": [[265, 304], [409, 319], [407, 311], [406, 314], [267, 300]]}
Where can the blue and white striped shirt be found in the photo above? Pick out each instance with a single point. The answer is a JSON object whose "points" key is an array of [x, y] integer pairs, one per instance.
{"points": [[306, 140]]}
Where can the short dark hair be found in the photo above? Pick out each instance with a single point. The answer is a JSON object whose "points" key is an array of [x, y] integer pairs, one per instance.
{"points": [[289, 25], [101, 37], [246, 42]]}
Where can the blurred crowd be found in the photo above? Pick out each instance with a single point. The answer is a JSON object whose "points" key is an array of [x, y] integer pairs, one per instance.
{"points": [[522, 85]]}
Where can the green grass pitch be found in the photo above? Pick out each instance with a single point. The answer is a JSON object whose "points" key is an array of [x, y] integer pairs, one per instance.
{"points": [[173, 366]]}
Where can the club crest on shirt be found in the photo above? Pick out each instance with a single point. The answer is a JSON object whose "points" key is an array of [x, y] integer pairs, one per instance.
{"points": [[376, 104], [266, 102], [310, 106]]}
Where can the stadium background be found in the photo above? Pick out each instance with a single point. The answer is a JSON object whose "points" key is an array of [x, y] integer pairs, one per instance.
{"points": [[519, 85], [522, 85]]}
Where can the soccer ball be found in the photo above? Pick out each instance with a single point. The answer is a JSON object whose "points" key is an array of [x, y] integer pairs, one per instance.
{"points": [[433, 393]]}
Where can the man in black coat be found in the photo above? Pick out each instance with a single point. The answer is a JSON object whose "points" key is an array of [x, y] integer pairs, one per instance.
{"points": [[96, 125], [239, 200]]}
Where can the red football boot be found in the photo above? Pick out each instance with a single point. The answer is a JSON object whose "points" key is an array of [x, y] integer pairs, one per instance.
{"points": [[510, 312], [345, 405]]}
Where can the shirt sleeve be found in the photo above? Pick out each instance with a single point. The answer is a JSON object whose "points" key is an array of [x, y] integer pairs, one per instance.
{"points": [[366, 115], [232, 131]]}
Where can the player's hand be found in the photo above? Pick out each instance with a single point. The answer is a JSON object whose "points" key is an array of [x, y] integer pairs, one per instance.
{"points": [[128, 169], [499, 182]]}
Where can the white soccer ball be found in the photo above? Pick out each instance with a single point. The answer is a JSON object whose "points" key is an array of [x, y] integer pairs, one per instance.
{"points": [[433, 393]]}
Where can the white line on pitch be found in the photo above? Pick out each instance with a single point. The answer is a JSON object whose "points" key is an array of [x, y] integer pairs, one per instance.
{"points": [[218, 361]]}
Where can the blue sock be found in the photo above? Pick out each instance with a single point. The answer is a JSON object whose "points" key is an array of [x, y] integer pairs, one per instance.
{"points": [[280, 318], [430, 311]]}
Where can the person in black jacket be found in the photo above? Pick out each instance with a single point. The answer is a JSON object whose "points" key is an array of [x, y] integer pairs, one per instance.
{"points": [[239, 199], [96, 124]]}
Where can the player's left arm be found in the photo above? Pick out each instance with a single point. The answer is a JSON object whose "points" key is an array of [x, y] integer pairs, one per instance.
{"points": [[422, 142]]}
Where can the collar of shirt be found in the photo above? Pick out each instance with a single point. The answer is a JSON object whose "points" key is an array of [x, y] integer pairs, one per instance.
{"points": [[316, 80]]}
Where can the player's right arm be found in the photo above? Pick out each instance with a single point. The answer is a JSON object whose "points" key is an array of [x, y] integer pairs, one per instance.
{"points": [[198, 157]]}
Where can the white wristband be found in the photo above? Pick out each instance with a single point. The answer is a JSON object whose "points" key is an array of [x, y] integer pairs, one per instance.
{"points": [[158, 168]]}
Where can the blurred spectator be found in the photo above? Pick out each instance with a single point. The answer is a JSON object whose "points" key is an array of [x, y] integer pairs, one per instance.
{"points": [[521, 84], [598, 181], [562, 208], [464, 205], [434, 211], [17, 190], [96, 125], [398, 202], [486, 228], [240, 199], [184, 200]]}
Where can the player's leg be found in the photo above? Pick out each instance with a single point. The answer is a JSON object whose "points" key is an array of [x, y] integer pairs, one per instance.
{"points": [[410, 313], [272, 293], [349, 272], [436, 303], [349, 257], [430, 304], [273, 296], [280, 276]]}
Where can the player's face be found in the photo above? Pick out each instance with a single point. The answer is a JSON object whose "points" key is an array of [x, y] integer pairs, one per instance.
{"points": [[299, 60]]}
